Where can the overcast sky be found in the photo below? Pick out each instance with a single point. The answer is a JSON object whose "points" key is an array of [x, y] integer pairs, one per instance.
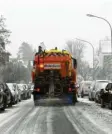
{"points": [[56, 21]]}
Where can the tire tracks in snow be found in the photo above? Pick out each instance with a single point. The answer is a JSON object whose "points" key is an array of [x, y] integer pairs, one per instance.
{"points": [[80, 122], [21, 124], [11, 122]]}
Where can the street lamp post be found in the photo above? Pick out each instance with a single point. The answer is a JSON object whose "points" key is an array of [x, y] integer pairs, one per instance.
{"points": [[90, 15], [93, 52]]}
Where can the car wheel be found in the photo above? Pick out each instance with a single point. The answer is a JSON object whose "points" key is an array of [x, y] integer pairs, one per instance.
{"points": [[92, 99], [110, 105], [102, 103], [99, 100], [4, 105], [30, 96], [10, 104], [89, 97], [82, 95], [3, 108], [23, 97], [16, 101], [96, 99]]}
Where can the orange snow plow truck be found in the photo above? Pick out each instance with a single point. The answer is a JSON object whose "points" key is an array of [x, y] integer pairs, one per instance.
{"points": [[54, 74]]}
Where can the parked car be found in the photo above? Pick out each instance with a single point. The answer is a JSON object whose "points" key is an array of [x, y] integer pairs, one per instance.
{"points": [[19, 92], [84, 88], [22, 87], [32, 88], [27, 88], [106, 96], [95, 87], [14, 92], [8, 93], [99, 87], [3, 99], [29, 91]]}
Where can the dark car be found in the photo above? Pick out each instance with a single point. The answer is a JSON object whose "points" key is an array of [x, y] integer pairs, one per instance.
{"points": [[3, 99], [95, 87], [14, 93], [8, 93], [99, 87], [106, 96]]}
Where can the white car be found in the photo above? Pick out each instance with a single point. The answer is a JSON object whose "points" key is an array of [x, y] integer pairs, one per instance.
{"points": [[95, 86], [84, 88], [22, 87]]}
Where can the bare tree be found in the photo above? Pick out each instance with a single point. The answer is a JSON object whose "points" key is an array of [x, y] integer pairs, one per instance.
{"points": [[25, 51], [86, 71], [76, 48]]}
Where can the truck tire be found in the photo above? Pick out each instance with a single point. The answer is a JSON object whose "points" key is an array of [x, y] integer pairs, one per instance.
{"points": [[74, 99], [35, 99]]}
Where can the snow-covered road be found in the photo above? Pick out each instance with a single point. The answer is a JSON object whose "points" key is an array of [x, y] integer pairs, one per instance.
{"points": [[52, 116]]}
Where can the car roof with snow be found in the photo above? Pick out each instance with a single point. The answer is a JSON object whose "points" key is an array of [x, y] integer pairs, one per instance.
{"points": [[102, 81]]}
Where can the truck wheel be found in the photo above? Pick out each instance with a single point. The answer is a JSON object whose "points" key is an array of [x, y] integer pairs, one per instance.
{"points": [[102, 103], [35, 103], [74, 99], [35, 99]]}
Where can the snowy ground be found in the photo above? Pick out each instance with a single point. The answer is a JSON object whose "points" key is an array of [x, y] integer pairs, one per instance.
{"points": [[53, 116]]}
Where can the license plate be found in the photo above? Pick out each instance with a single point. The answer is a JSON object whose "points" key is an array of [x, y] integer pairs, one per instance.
{"points": [[52, 66]]}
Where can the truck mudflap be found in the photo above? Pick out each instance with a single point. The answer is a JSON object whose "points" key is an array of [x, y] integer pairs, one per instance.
{"points": [[72, 94]]}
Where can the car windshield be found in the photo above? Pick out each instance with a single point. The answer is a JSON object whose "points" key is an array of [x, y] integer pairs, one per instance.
{"points": [[21, 86], [11, 87], [86, 85]]}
